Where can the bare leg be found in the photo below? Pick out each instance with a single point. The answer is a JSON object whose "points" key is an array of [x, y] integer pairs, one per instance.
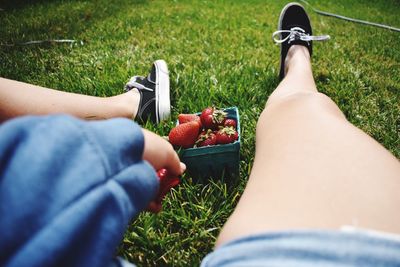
{"points": [[17, 99], [313, 169]]}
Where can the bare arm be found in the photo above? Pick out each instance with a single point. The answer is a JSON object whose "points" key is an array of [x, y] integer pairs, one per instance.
{"points": [[18, 99]]}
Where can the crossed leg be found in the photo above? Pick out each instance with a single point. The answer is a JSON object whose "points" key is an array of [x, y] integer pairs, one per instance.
{"points": [[314, 169]]}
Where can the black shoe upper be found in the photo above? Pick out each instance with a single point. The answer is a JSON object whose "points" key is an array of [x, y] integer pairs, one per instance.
{"points": [[293, 18], [147, 105], [147, 89]]}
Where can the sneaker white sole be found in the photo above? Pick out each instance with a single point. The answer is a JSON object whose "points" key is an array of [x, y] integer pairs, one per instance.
{"points": [[163, 101]]}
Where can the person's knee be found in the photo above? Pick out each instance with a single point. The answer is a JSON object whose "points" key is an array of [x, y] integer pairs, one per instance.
{"points": [[310, 104]]}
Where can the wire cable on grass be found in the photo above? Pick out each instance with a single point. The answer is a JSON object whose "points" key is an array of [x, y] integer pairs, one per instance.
{"points": [[323, 13], [41, 42]]}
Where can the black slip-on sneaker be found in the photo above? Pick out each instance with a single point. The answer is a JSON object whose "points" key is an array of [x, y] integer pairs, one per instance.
{"points": [[154, 93], [294, 28]]}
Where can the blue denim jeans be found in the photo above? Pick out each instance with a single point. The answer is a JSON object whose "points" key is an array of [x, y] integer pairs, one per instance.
{"points": [[309, 248], [68, 188]]}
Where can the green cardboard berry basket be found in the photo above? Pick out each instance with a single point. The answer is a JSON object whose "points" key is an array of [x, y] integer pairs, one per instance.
{"points": [[214, 161]]}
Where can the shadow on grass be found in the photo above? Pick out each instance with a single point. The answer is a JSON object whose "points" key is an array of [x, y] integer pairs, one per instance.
{"points": [[56, 18], [18, 4]]}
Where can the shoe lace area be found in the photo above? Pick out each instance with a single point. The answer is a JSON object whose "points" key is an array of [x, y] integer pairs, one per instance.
{"points": [[297, 33], [134, 84]]}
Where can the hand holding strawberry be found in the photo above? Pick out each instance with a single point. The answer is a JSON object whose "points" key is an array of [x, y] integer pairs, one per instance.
{"points": [[167, 182], [160, 154]]}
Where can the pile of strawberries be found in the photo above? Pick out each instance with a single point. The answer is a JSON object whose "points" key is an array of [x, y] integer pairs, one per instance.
{"points": [[212, 127]]}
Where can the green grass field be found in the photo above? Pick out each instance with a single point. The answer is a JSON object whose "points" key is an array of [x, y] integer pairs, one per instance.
{"points": [[218, 52]]}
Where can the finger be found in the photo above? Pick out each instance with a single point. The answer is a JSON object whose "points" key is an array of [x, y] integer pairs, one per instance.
{"points": [[183, 167], [160, 154], [154, 149], [173, 165]]}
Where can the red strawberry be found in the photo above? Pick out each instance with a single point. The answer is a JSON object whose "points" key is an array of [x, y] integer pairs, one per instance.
{"points": [[184, 135], [182, 118], [206, 138], [230, 123], [166, 183], [227, 135], [211, 118], [162, 174]]}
